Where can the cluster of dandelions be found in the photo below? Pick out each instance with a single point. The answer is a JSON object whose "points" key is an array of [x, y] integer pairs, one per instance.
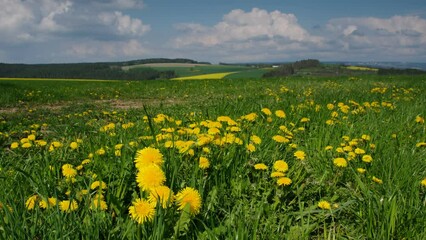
{"points": [[150, 179]]}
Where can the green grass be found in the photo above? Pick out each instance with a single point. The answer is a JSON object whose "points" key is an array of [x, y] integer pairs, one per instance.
{"points": [[238, 201]]}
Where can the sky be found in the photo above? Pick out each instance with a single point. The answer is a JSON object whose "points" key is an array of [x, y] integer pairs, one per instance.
{"points": [[231, 31]]}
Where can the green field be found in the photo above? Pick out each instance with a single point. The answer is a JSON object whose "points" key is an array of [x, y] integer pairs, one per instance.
{"points": [[290, 158]]}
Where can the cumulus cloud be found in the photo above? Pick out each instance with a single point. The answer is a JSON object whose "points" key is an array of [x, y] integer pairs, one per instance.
{"points": [[238, 25], [124, 24]]}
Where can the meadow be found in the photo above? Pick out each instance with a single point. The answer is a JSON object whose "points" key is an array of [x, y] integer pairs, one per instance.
{"points": [[283, 158]]}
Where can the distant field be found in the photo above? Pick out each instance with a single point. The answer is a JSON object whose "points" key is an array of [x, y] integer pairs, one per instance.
{"points": [[205, 76], [162, 65], [358, 68]]}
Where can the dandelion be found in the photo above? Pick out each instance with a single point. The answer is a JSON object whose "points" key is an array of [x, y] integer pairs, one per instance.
{"points": [[150, 176], [300, 155], [280, 139], [277, 174], [304, 120], [359, 151], [250, 147], [68, 205], [14, 145], [148, 156], [324, 205], [367, 158], [421, 144], [260, 166], [423, 182], [98, 184], [162, 195], [189, 196], [280, 114], [420, 120], [255, 139], [142, 211], [31, 202], [99, 204], [328, 148], [284, 181], [340, 162], [377, 180], [280, 166], [73, 145], [266, 111], [50, 202], [68, 171], [31, 137], [204, 163], [361, 170], [26, 145], [100, 152]]}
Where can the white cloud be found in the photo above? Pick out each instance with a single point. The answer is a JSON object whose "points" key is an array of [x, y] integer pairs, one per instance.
{"points": [[48, 23], [124, 24], [238, 25], [14, 15]]}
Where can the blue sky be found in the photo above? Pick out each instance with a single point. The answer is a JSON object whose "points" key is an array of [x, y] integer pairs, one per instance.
{"points": [[57, 31]]}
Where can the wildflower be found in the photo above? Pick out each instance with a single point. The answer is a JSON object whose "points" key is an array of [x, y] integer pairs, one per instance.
{"points": [[255, 139], [277, 174], [40, 143], [266, 111], [280, 166], [328, 148], [280, 139], [330, 106], [423, 182], [68, 171], [148, 156], [250, 147], [100, 152], [260, 166], [300, 155], [68, 205], [98, 184], [366, 137], [31, 137], [14, 145], [324, 205], [191, 197], [31, 202], [162, 195], [251, 117], [340, 162], [50, 202], [421, 144], [150, 176], [73, 145], [98, 204], [117, 153], [304, 120], [284, 181], [361, 170], [26, 145], [359, 151], [204, 163], [367, 158], [142, 211], [280, 114], [420, 120], [377, 180]]}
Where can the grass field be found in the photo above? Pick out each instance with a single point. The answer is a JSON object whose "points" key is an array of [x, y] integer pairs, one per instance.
{"points": [[290, 158]]}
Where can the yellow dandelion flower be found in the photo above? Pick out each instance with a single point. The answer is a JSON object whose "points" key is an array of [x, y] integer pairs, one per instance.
{"points": [[31, 202], [280, 114], [26, 145], [14, 145], [150, 176], [148, 156], [255, 139], [328, 148], [361, 170], [99, 204], [250, 147], [359, 151], [330, 106], [204, 163], [260, 166], [366, 137], [420, 120], [300, 155], [280, 139], [277, 174], [423, 182], [351, 156], [340, 162], [85, 161], [73, 145], [162, 195], [68, 205], [98, 184], [189, 196], [324, 205], [31, 137], [304, 120], [40, 143], [68, 171], [142, 211], [100, 152], [280, 166], [421, 144], [48, 203], [377, 180], [367, 158], [284, 181], [266, 111]]}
